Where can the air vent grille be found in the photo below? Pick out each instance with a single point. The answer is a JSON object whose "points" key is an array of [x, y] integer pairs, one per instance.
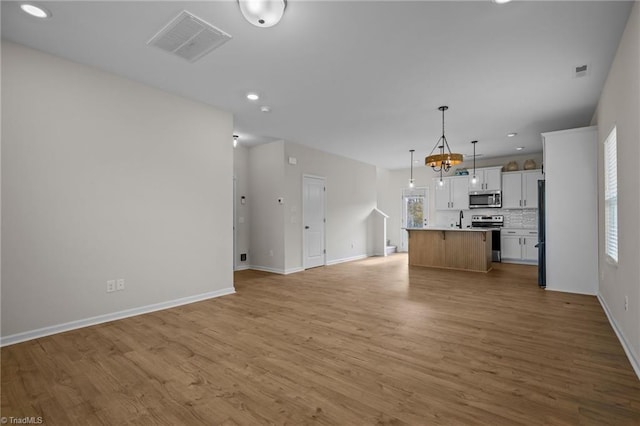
{"points": [[189, 37]]}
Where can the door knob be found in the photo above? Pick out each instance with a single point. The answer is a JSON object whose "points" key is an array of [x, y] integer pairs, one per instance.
{"points": [[306, 227]]}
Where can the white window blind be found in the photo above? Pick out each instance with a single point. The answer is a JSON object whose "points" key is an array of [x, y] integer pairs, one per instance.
{"points": [[611, 195]]}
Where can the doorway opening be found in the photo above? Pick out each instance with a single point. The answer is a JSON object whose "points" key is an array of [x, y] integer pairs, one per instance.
{"points": [[415, 211]]}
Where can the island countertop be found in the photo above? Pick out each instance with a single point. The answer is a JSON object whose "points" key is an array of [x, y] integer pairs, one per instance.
{"points": [[446, 228], [466, 249]]}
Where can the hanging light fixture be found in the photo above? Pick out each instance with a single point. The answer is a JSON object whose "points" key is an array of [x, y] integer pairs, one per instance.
{"points": [[411, 178], [262, 13], [474, 179], [443, 160]]}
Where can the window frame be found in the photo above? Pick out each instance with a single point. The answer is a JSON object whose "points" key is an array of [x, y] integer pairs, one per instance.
{"points": [[610, 158]]}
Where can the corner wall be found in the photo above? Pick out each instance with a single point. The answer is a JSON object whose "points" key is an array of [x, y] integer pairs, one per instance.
{"points": [[351, 196], [620, 106], [266, 178], [242, 222], [105, 178]]}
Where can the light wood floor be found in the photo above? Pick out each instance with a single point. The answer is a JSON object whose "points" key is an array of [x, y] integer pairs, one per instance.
{"points": [[368, 342]]}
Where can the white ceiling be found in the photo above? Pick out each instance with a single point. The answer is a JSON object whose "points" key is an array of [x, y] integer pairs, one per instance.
{"points": [[362, 79]]}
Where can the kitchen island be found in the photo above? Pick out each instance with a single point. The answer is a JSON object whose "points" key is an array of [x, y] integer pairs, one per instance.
{"points": [[467, 249]]}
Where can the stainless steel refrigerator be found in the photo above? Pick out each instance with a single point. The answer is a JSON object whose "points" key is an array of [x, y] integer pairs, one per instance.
{"points": [[542, 271]]}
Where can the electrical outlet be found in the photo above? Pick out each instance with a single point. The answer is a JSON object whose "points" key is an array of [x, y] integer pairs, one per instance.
{"points": [[120, 284], [111, 286], [626, 303]]}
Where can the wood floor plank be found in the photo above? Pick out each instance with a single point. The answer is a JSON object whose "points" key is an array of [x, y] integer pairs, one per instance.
{"points": [[367, 342]]}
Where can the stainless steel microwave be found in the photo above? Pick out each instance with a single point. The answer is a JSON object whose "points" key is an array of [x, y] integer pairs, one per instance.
{"points": [[485, 199]]}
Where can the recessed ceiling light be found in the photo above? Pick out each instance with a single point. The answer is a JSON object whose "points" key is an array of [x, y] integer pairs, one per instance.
{"points": [[265, 108], [520, 148], [36, 11], [501, 1], [512, 134], [253, 96]]}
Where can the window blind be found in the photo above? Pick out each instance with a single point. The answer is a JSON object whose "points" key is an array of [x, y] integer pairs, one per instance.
{"points": [[611, 195]]}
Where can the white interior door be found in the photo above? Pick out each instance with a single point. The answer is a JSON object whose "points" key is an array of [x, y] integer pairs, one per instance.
{"points": [[313, 204]]}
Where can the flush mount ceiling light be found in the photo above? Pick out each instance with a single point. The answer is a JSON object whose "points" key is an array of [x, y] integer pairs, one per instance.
{"points": [[262, 13], [265, 108], [253, 96], [411, 177], [520, 148], [37, 11], [501, 1], [512, 134], [443, 160]]}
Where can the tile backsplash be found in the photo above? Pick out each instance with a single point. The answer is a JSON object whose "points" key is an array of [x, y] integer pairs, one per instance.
{"points": [[527, 218], [516, 218]]}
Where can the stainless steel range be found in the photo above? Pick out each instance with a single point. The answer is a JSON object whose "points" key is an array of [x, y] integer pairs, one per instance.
{"points": [[493, 221]]}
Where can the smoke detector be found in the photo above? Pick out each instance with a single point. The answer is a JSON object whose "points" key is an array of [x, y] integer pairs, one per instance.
{"points": [[189, 37]]}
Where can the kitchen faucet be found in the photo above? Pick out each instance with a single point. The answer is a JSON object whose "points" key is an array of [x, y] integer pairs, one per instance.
{"points": [[459, 225]]}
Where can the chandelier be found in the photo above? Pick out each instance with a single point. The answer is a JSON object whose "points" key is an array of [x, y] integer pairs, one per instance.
{"points": [[442, 160]]}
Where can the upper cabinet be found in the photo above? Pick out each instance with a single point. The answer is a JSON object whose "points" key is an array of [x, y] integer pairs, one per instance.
{"points": [[488, 179], [520, 189], [453, 194]]}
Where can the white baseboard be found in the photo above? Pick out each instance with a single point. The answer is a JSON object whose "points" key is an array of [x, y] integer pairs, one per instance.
{"points": [[564, 290], [628, 349], [73, 325], [276, 270], [267, 269], [242, 267], [346, 259]]}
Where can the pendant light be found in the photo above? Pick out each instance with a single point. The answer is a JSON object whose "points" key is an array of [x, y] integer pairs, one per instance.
{"points": [[262, 13], [443, 160], [411, 184], [474, 179]]}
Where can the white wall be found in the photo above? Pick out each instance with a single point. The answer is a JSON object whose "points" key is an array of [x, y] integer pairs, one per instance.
{"points": [[277, 228], [351, 196], [571, 218], [243, 219], [266, 178], [392, 182], [105, 178], [620, 105]]}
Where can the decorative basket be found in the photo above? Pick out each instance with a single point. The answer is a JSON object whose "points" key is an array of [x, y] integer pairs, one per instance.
{"points": [[529, 165], [512, 166]]}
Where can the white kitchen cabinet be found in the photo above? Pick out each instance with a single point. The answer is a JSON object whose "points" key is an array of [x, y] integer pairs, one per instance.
{"points": [[519, 246], [453, 194], [520, 189], [487, 179]]}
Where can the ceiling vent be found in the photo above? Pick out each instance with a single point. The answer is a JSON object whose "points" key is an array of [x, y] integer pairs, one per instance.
{"points": [[189, 37], [581, 71]]}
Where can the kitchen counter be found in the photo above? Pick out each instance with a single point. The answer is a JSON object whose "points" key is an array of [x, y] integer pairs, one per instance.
{"points": [[448, 228], [467, 249]]}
